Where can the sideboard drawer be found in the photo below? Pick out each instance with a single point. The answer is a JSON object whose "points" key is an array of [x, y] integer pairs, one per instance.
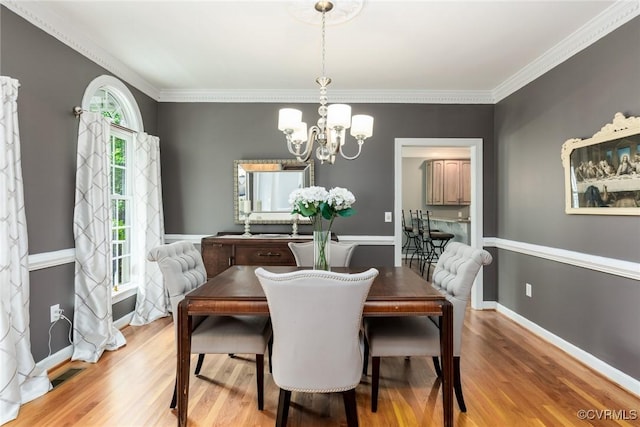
{"points": [[264, 255]]}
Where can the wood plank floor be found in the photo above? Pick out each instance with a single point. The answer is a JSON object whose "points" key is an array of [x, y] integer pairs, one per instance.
{"points": [[510, 378]]}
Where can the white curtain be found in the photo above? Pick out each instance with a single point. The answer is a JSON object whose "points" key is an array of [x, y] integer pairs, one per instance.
{"points": [[93, 329], [152, 302], [20, 380]]}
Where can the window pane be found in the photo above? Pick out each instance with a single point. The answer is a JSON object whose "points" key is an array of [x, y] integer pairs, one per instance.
{"points": [[125, 270], [123, 207], [119, 184], [119, 152]]}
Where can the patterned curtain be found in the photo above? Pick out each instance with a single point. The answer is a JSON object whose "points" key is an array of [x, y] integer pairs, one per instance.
{"points": [[152, 302], [20, 380], [93, 329]]}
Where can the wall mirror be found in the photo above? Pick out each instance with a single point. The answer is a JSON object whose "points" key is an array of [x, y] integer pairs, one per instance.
{"points": [[261, 189], [602, 173]]}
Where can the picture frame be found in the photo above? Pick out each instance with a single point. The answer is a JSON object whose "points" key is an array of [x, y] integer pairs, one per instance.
{"points": [[602, 173]]}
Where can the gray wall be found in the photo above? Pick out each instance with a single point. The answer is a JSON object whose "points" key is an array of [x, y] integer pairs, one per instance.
{"points": [[53, 78], [200, 141], [595, 311]]}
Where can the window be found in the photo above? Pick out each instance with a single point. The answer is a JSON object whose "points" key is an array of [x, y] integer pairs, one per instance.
{"points": [[109, 97], [121, 207]]}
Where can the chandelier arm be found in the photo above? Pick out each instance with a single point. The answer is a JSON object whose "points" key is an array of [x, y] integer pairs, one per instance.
{"points": [[300, 156], [360, 142]]}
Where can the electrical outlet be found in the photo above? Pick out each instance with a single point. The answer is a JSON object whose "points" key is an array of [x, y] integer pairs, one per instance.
{"points": [[527, 289], [55, 312], [387, 217]]}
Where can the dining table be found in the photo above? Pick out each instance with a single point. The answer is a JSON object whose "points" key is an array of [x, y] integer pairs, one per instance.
{"points": [[396, 291]]}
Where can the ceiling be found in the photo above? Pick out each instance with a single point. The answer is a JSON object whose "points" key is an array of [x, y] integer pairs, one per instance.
{"points": [[390, 51]]}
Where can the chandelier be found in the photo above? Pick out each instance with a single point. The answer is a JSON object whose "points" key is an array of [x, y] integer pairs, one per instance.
{"points": [[331, 127]]}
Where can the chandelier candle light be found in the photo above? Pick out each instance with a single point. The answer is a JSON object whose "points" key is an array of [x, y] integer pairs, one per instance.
{"points": [[334, 120]]}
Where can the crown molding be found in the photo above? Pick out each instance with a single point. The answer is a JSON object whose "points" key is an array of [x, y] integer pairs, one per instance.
{"points": [[311, 96], [616, 15], [39, 15], [619, 13]]}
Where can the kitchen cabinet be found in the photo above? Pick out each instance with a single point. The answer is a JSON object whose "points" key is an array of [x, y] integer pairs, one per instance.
{"points": [[448, 182]]}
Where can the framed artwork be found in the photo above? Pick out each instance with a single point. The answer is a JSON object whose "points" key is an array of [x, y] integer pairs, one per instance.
{"points": [[602, 173]]}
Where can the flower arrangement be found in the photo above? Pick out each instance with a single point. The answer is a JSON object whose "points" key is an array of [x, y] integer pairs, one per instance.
{"points": [[317, 203]]}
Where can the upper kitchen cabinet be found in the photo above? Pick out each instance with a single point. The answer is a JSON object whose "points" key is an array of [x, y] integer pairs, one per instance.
{"points": [[449, 182]]}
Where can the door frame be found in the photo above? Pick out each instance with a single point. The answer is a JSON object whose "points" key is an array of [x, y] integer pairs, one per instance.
{"points": [[475, 209]]}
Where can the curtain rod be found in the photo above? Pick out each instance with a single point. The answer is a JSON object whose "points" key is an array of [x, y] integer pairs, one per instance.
{"points": [[77, 111]]}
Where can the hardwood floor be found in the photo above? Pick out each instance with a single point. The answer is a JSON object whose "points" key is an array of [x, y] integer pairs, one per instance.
{"points": [[510, 378]]}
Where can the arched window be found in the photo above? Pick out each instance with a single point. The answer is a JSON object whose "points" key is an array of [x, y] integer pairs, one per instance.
{"points": [[112, 99]]}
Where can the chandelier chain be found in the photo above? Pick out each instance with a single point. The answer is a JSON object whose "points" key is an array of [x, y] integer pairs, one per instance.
{"points": [[323, 44]]}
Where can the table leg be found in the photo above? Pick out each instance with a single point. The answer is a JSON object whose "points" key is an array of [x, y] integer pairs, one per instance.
{"points": [[446, 348], [183, 361]]}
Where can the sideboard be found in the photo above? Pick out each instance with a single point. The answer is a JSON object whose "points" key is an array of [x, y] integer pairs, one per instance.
{"points": [[225, 249]]}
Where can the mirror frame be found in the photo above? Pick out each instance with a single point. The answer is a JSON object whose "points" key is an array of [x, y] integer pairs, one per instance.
{"points": [[275, 217], [608, 195]]}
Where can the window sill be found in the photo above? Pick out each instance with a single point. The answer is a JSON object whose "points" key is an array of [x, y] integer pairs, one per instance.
{"points": [[123, 292]]}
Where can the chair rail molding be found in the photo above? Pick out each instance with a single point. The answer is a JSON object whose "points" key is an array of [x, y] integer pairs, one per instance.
{"points": [[628, 269]]}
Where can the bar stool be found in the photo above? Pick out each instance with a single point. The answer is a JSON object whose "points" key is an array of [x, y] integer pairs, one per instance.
{"points": [[411, 237], [437, 241]]}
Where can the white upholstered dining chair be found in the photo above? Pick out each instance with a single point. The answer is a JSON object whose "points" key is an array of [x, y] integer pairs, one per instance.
{"points": [[182, 271], [454, 275], [317, 340], [339, 253]]}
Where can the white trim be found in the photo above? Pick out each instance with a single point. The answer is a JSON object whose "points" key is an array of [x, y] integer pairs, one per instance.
{"points": [[613, 266], [123, 292], [65, 354], [193, 238], [56, 358], [627, 382], [51, 259], [123, 321], [39, 15], [611, 18], [368, 240], [628, 269], [475, 210], [127, 100], [311, 96]]}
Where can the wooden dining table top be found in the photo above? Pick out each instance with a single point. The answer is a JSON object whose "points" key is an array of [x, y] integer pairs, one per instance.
{"points": [[396, 290]]}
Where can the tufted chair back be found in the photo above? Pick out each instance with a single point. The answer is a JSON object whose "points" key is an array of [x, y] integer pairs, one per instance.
{"points": [[182, 270], [454, 274], [316, 317], [339, 253]]}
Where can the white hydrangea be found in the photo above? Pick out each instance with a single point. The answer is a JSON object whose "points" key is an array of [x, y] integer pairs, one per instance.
{"points": [[340, 198], [308, 196]]}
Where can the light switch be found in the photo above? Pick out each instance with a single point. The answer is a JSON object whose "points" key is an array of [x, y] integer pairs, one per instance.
{"points": [[387, 217]]}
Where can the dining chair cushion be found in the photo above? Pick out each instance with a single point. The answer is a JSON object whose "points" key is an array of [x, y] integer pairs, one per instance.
{"points": [[219, 334], [339, 253], [403, 336]]}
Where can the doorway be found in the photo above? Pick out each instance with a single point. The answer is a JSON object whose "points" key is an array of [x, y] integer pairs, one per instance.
{"points": [[475, 209]]}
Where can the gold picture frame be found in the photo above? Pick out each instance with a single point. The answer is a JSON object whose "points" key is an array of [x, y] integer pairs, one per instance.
{"points": [[602, 173]]}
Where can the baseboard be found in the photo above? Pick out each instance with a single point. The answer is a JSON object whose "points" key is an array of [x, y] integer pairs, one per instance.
{"points": [[55, 359], [623, 380], [65, 354]]}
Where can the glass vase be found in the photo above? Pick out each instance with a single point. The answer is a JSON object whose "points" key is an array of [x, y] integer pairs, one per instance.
{"points": [[321, 245]]}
